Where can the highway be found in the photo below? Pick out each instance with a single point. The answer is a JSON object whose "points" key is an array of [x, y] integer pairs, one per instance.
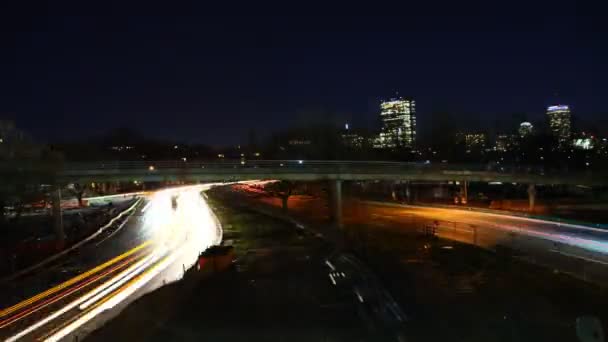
{"points": [[73, 297], [575, 249]]}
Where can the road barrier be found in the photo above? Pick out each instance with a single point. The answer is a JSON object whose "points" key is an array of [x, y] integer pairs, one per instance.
{"points": [[561, 257], [71, 248]]}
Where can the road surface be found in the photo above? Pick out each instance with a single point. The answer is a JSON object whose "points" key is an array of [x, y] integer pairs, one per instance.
{"points": [[93, 284], [491, 228], [578, 250]]}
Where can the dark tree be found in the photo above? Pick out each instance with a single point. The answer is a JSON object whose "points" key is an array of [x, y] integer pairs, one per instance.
{"points": [[78, 191], [282, 190]]}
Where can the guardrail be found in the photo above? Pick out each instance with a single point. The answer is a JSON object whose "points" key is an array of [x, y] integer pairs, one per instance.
{"points": [[574, 260]]}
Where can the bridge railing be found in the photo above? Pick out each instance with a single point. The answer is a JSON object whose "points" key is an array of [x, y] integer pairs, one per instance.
{"points": [[173, 164], [301, 165]]}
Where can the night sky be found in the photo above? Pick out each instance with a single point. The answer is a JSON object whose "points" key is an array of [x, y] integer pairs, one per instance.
{"points": [[181, 73]]}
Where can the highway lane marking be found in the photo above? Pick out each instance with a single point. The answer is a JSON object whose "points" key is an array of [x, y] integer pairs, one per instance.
{"points": [[52, 300], [73, 280], [62, 330]]}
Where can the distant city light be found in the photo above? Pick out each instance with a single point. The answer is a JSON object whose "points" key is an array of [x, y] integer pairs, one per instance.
{"points": [[583, 143], [300, 161], [151, 168], [220, 155], [346, 126], [175, 147]]}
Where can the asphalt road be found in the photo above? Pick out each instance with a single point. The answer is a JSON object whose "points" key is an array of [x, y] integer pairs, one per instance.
{"points": [[74, 296], [579, 250]]}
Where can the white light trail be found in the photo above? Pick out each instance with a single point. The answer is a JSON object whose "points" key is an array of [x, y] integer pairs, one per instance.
{"points": [[180, 235], [118, 298], [120, 279]]}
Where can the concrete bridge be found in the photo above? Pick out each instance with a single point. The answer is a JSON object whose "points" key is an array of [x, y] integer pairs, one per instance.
{"points": [[298, 170], [307, 170], [312, 170]]}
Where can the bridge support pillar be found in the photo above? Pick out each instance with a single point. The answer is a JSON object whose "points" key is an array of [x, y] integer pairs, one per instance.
{"points": [[57, 214], [336, 202], [407, 192], [531, 196], [464, 192]]}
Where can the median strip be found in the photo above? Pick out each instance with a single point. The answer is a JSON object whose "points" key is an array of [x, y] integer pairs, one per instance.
{"points": [[66, 251]]}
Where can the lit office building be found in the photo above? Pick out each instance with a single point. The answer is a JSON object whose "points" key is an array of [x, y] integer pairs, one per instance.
{"points": [[472, 141], [351, 139], [525, 129], [506, 142], [398, 123], [559, 123]]}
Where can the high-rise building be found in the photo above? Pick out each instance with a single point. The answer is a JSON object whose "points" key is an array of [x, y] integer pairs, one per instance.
{"points": [[472, 141], [398, 123], [351, 139], [506, 142], [559, 123], [525, 129]]}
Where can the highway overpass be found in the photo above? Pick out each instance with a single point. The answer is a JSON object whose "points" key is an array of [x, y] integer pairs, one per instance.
{"points": [[308, 170]]}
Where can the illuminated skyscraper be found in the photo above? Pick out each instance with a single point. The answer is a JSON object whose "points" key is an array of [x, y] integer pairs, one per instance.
{"points": [[525, 129], [398, 123], [559, 123]]}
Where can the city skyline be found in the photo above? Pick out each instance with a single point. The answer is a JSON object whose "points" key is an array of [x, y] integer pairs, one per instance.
{"points": [[397, 129], [172, 172], [77, 76]]}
